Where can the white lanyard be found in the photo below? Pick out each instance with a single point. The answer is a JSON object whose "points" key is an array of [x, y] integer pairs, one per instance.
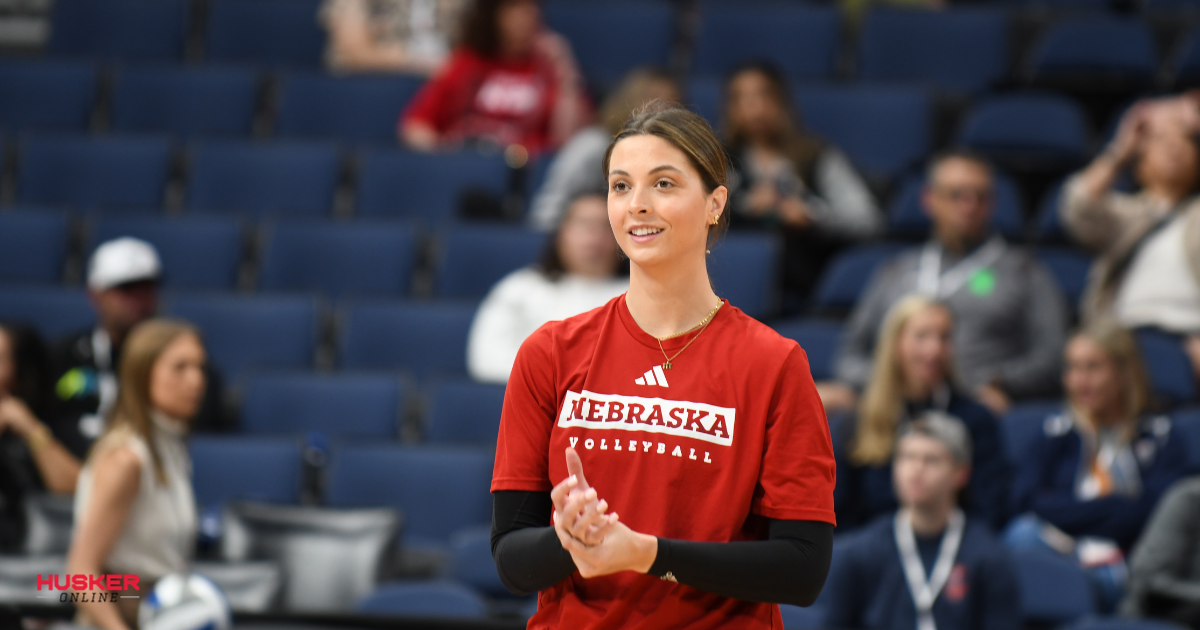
{"points": [[92, 425], [924, 592], [935, 284]]}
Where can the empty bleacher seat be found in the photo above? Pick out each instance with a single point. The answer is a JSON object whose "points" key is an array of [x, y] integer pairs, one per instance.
{"points": [[742, 268], [907, 217], [464, 412], [884, 130], [1095, 50], [820, 341], [33, 246], [204, 100], [426, 339], [362, 258], [338, 406], [42, 94], [960, 50], [704, 98], [1053, 588], [240, 333], [272, 32], [611, 39], [279, 178], [802, 40], [471, 561], [847, 275], [122, 29], [431, 599], [401, 183], [1186, 65], [355, 109], [54, 312], [1167, 365], [227, 468], [1069, 267], [196, 252], [473, 258], [1027, 131], [1123, 623], [1049, 226], [111, 172]]}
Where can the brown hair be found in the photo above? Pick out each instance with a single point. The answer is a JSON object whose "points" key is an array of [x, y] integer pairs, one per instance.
{"points": [[792, 139], [691, 134], [479, 31], [1122, 348], [635, 90], [142, 349]]}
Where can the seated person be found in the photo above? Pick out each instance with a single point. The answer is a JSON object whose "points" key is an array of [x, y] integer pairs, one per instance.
{"points": [[1147, 270], [581, 269], [927, 566], [410, 36], [1010, 315], [578, 166], [789, 180], [1164, 569], [913, 374], [510, 83]]}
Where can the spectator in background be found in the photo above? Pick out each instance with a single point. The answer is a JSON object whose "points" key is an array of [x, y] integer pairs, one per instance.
{"points": [[511, 83], [1147, 272], [1011, 316], [928, 551], [1164, 570], [134, 511], [790, 181], [913, 373], [123, 278], [580, 269], [577, 166], [410, 36]]}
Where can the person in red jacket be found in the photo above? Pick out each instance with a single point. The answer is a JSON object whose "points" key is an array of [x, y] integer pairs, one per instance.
{"points": [[510, 82]]}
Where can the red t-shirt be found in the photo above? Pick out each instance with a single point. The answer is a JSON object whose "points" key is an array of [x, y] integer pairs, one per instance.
{"points": [[473, 97], [733, 433]]}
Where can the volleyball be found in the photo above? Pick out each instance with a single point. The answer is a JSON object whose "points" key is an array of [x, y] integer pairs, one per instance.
{"points": [[185, 601]]}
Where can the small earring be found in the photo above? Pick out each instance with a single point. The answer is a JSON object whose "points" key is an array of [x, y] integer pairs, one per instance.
{"points": [[708, 251]]}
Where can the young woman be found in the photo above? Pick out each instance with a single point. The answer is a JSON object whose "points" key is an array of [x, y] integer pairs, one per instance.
{"points": [[914, 372], [580, 269], [134, 509], [700, 426]]}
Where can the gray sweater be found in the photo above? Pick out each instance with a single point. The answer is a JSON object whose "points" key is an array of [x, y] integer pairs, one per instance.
{"points": [[1166, 560], [1010, 330]]}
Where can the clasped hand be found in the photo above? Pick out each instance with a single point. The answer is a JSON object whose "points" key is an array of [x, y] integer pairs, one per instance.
{"points": [[599, 543]]}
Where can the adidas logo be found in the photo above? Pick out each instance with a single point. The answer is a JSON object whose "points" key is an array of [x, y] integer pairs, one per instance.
{"points": [[653, 376]]}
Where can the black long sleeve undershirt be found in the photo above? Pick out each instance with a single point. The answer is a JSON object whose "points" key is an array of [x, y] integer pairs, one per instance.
{"points": [[789, 567]]}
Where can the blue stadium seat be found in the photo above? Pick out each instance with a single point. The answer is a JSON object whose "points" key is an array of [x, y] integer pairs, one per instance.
{"points": [[742, 268], [907, 218], [1186, 425], [611, 39], [802, 40], [820, 341], [226, 468], [110, 172], [430, 599], [1169, 368], [55, 95], [269, 32], [1069, 267], [1096, 48], [464, 412], [473, 258], [121, 29], [279, 178], [362, 258], [884, 130], [401, 183], [1023, 423], [471, 561], [797, 618], [1186, 66], [439, 490], [54, 312], [242, 333], [847, 275], [426, 339], [1033, 131], [337, 406], [1049, 227], [1123, 623], [354, 109], [33, 246], [196, 252], [959, 50], [185, 101], [704, 98], [1054, 590]]}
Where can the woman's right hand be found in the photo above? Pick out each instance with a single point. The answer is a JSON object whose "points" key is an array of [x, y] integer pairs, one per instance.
{"points": [[1129, 134]]}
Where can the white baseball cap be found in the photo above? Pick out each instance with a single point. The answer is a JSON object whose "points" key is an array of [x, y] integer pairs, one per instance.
{"points": [[122, 261]]}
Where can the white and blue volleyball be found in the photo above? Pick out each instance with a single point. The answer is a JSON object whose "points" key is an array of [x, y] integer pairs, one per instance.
{"points": [[185, 601]]}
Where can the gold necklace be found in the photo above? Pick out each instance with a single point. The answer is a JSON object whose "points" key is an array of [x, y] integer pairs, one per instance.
{"points": [[702, 325]]}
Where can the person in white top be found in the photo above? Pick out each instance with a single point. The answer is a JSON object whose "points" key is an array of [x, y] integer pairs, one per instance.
{"points": [[581, 269], [134, 508]]}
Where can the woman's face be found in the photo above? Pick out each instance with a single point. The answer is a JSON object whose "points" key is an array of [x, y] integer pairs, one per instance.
{"points": [[1091, 378], [657, 205], [518, 23], [753, 105], [1168, 159], [177, 378], [585, 240], [8, 363], [923, 347]]}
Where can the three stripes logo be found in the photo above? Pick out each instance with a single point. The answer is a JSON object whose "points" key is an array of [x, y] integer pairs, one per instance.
{"points": [[653, 376]]}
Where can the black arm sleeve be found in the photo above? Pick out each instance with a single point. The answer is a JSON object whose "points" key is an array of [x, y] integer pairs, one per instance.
{"points": [[789, 568]]}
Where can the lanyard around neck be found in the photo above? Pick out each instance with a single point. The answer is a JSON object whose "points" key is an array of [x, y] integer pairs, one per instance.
{"points": [[935, 284], [925, 592]]}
